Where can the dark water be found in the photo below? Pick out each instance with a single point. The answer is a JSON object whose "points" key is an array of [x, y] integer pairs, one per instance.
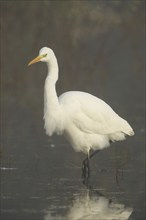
{"points": [[100, 49], [42, 180]]}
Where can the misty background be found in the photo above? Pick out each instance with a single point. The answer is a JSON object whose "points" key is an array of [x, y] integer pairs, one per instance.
{"points": [[100, 48]]}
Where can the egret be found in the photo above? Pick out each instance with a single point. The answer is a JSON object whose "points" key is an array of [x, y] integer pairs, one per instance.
{"points": [[85, 120]]}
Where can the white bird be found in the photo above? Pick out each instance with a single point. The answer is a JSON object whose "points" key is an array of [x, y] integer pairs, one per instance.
{"points": [[85, 120]]}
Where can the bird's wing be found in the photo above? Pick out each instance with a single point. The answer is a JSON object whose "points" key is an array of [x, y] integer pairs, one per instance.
{"points": [[92, 115], [100, 119]]}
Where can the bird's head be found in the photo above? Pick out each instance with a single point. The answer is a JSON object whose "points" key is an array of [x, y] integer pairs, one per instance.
{"points": [[45, 55]]}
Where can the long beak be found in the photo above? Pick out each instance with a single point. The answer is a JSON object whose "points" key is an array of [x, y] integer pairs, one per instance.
{"points": [[35, 60]]}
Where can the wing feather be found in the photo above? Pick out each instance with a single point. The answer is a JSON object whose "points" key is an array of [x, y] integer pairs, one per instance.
{"points": [[92, 115]]}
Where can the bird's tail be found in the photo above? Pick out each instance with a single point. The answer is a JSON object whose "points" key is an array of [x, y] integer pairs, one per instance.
{"points": [[130, 132], [125, 129]]}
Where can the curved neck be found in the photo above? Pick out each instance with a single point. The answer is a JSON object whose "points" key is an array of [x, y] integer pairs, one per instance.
{"points": [[50, 96], [53, 69]]}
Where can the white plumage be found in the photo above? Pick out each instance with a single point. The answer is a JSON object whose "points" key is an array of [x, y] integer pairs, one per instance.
{"points": [[85, 120]]}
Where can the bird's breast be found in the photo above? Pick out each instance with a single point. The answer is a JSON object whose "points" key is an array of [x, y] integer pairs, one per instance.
{"points": [[53, 122]]}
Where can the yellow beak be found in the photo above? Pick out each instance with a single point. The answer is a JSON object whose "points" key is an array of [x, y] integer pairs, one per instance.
{"points": [[35, 60]]}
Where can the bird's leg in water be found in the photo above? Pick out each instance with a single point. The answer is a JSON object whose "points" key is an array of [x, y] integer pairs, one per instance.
{"points": [[86, 164], [86, 167]]}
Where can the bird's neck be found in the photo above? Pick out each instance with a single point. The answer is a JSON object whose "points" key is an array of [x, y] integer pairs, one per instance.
{"points": [[52, 70], [51, 102]]}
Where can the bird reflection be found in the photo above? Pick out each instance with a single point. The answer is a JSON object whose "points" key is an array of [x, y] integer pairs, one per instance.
{"points": [[91, 205], [97, 207]]}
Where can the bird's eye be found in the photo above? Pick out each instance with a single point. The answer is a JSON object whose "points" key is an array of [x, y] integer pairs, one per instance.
{"points": [[44, 55]]}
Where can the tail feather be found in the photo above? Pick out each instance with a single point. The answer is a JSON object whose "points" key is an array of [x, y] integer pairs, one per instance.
{"points": [[130, 132], [121, 135], [126, 128]]}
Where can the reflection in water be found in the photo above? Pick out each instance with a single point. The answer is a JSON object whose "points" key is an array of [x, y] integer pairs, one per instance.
{"points": [[92, 205], [99, 207]]}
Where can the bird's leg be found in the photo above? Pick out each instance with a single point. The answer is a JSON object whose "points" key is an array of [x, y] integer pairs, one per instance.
{"points": [[94, 152], [86, 167], [86, 164], [85, 172]]}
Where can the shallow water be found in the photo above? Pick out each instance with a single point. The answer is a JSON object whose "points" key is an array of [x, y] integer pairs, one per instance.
{"points": [[44, 181]]}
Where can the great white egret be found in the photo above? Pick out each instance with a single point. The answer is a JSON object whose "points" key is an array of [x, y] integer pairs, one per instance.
{"points": [[85, 120]]}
